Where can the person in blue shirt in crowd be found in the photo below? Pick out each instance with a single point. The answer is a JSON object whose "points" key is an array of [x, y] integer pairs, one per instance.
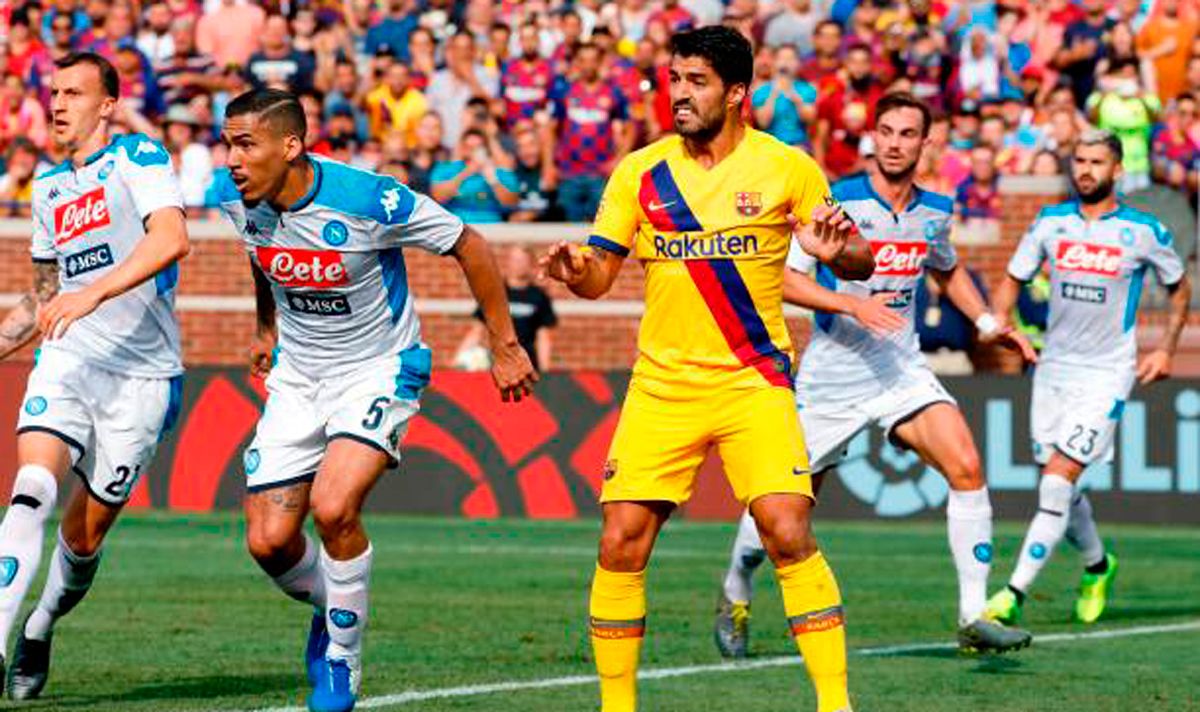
{"points": [[786, 104], [473, 187]]}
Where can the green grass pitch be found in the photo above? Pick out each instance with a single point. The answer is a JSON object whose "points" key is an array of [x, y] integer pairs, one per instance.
{"points": [[180, 619]]}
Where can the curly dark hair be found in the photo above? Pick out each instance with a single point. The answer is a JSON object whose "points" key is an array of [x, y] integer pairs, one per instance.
{"points": [[725, 48]]}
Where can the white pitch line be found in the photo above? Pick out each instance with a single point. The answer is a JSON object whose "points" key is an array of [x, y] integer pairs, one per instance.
{"points": [[402, 698]]}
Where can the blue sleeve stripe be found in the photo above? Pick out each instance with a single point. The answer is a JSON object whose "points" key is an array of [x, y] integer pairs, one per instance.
{"points": [[608, 245], [166, 280]]}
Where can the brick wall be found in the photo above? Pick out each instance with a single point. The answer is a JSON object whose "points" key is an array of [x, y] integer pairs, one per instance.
{"points": [[216, 289]]}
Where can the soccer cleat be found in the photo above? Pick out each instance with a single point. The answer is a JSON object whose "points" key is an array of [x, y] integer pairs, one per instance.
{"points": [[314, 651], [988, 636], [1093, 592], [732, 628], [1003, 607], [30, 667], [332, 691]]}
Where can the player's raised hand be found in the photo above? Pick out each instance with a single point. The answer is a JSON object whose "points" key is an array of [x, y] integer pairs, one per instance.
{"points": [[566, 262], [261, 353], [874, 313], [513, 372], [1155, 366], [55, 317], [826, 235]]}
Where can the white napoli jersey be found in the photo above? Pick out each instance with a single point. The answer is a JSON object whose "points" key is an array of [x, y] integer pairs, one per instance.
{"points": [[1096, 273], [335, 262], [91, 218], [843, 354]]}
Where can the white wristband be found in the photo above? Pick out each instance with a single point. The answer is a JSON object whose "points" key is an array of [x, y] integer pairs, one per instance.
{"points": [[987, 324]]}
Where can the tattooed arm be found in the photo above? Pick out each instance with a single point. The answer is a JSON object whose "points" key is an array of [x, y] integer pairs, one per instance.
{"points": [[20, 325]]}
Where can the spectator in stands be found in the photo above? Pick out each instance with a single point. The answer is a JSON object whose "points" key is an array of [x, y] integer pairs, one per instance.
{"points": [[532, 311], [347, 92], [192, 160], [395, 105], [674, 16], [1121, 48], [230, 32], [527, 80], [428, 152], [536, 178], [16, 185], [473, 187], [278, 64], [1083, 47], [187, 73], [979, 196], [394, 28], [422, 53], [826, 61], [1062, 135], [21, 115], [1122, 106], [1166, 40], [1046, 163], [462, 79], [785, 106], [793, 26], [139, 84], [1174, 153], [569, 33], [979, 67], [591, 135], [156, 40], [845, 113]]}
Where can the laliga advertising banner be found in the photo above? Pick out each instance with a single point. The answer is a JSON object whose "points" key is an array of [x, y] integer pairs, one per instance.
{"points": [[469, 455]]}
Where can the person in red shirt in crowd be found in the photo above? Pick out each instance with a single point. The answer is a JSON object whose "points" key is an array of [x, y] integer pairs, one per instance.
{"points": [[979, 196], [21, 115], [1174, 152], [826, 60], [592, 135], [845, 112], [422, 57], [526, 81], [24, 47], [674, 16], [570, 31]]}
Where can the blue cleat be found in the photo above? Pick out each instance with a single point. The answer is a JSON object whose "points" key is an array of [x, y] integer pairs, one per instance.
{"points": [[331, 691], [314, 652]]}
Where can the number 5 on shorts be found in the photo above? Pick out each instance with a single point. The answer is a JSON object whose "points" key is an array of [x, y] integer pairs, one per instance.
{"points": [[375, 413]]}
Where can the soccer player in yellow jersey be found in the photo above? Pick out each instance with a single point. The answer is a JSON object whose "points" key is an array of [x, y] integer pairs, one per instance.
{"points": [[711, 214]]}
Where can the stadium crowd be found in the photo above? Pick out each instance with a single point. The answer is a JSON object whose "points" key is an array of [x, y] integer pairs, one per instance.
{"points": [[518, 110]]}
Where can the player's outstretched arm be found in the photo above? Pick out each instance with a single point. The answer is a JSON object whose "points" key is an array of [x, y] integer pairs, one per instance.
{"points": [[1156, 365], [957, 285], [21, 324], [511, 369], [166, 242], [1004, 300], [588, 273], [873, 312], [266, 331]]}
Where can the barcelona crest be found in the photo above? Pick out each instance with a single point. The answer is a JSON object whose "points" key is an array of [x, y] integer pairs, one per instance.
{"points": [[749, 204]]}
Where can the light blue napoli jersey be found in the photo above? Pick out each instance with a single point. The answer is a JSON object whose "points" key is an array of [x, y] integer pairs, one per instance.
{"points": [[843, 354], [89, 219], [1096, 274], [335, 262]]}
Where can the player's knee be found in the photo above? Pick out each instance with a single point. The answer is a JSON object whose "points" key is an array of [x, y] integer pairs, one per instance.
{"points": [[271, 544], [963, 470], [788, 540], [623, 549], [335, 518]]}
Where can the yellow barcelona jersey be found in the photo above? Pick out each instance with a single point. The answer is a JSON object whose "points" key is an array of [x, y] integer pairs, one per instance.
{"points": [[713, 243]]}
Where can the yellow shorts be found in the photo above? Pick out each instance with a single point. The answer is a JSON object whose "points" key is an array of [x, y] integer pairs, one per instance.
{"points": [[660, 444]]}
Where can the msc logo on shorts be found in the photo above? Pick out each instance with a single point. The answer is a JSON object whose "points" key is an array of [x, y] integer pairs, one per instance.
{"points": [[335, 233], [251, 460], [35, 405], [343, 618], [318, 303], [88, 260]]}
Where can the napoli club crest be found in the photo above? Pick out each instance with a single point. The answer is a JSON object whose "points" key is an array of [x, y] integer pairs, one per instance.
{"points": [[749, 204]]}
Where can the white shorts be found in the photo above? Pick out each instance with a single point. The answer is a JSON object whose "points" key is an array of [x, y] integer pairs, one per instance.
{"points": [[830, 424], [111, 422], [1077, 419], [372, 405]]}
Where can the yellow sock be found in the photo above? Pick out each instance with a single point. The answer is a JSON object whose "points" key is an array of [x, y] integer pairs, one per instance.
{"points": [[618, 624], [814, 610]]}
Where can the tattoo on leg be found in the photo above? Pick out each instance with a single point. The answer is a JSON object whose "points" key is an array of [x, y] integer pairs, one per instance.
{"points": [[289, 499]]}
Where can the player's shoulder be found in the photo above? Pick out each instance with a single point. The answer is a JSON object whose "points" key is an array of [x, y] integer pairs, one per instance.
{"points": [[646, 157], [771, 154], [224, 188], [48, 176], [856, 186], [140, 150], [1129, 214], [362, 194], [1057, 212], [932, 201]]}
